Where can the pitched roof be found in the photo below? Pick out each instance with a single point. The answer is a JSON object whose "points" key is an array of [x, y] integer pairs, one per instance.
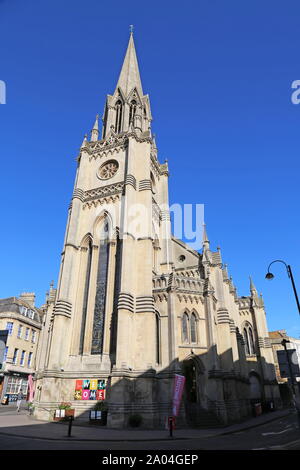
{"points": [[277, 334]]}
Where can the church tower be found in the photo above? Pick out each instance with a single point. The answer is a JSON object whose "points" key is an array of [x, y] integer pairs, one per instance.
{"points": [[134, 305], [103, 324]]}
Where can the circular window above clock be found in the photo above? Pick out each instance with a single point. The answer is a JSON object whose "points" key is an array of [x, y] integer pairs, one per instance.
{"points": [[108, 170]]}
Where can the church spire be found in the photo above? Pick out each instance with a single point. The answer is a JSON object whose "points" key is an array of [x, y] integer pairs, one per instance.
{"points": [[130, 75], [128, 109]]}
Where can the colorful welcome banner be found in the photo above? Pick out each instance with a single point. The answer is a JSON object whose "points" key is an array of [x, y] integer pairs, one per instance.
{"points": [[90, 389], [31, 388], [177, 393]]}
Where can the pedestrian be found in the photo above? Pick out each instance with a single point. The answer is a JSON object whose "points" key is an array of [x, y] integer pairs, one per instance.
{"points": [[19, 400]]}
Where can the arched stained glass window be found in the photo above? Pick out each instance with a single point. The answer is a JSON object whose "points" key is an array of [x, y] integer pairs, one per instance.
{"points": [[185, 334], [247, 347], [193, 328], [85, 296], [100, 301], [157, 333], [249, 340]]}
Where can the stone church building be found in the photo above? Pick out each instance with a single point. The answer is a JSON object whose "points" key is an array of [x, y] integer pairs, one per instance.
{"points": [[134, 305]]}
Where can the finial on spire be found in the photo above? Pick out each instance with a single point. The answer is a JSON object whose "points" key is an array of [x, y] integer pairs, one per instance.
{"points": [[131, 28]]}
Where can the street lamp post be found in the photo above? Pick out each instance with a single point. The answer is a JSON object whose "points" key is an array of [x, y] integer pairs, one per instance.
{"points": [[270, 276]]}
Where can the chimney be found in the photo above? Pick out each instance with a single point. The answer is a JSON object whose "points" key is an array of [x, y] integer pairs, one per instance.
{"points": [[28, 297]]}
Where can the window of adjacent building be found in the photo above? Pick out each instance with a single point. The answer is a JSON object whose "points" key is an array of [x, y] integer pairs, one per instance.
{"points": [[33, 336], [15, 384], [5, 354], [15, 358], [20, 331], [23, 311], [27, 334], [22, 360], [31, 314], [9, 327], [29, 359]]}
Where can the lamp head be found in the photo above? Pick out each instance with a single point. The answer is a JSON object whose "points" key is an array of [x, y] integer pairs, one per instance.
{"points": [[269, 276]]}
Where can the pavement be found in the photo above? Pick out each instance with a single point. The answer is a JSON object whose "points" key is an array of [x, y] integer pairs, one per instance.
{"points": [[22, 424]]}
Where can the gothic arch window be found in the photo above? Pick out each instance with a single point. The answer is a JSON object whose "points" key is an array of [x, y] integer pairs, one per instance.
{"points": [[85, 294], [249, 340], [193, 328], [185, 328], [100, 300], [119, 112], [157, 338], [132, 111]]}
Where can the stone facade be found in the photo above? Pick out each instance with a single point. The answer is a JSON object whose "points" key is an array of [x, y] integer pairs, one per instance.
{"points": [[23, 321], [134, 305]]}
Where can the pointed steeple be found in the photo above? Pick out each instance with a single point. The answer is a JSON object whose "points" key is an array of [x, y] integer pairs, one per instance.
{"points": [[84, 142], [95, 130], [130, 76], [205, 241], [128, 109], [253, 288]]}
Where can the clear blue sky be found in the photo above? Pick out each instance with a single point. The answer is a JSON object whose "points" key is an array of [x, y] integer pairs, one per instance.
{"points": [[219, 76]]}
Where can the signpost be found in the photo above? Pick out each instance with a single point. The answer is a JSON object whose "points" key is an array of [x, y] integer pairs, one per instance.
{"points": [[288, 364]]}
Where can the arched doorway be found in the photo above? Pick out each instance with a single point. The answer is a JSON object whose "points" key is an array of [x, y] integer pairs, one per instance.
{"points": [[190, 373], [255, 388], [193, 372]]}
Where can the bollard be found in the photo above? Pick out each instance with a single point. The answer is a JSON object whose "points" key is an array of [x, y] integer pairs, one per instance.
{"points": [[171, 426], [70, 425]]}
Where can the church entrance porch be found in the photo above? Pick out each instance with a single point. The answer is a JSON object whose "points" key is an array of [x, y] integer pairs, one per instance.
{"points": [[196, 412]]}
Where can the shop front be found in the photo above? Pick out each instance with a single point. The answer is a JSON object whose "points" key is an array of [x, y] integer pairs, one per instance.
{"points": [[12, 384]]}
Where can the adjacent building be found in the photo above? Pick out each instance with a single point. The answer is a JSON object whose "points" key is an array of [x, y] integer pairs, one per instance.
{"points": [[22, 320], [133, 308], [277, 337]]}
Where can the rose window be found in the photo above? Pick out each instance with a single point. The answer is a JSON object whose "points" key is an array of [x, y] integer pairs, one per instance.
{"points": [[108, 170]]}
